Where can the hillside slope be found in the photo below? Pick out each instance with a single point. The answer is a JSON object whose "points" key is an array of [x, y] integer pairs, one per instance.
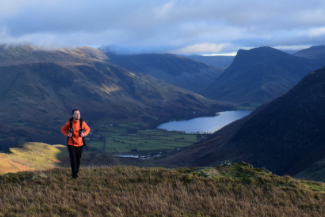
{"points": [[101, 89], [234, 190], [177, 70], [39, 88], [286, 136], [314, 172], [259, 75]]}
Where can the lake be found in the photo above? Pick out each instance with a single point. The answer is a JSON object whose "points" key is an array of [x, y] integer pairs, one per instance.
{"points": [[126, 155], [205, 124]]}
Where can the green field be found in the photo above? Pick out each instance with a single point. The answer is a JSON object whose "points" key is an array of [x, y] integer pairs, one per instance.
{"points": [[113, 138], [118, 139]]}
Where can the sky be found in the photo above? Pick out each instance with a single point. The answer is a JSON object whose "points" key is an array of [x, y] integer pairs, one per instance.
{"points": [[206, 27]]}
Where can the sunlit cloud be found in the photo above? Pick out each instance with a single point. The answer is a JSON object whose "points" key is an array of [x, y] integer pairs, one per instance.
{"points": [[317, 32], [293, 47], [200, 48], [220, 54]]}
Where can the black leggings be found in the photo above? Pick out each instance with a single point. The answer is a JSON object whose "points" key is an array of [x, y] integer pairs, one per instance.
{"points": [[75, 156]]}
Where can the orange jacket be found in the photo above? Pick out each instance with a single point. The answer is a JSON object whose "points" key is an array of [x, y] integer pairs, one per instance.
{"points": [[75, 140]]}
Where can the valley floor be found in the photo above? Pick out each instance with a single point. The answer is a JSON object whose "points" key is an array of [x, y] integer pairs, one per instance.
{"points": [[129, 138]]}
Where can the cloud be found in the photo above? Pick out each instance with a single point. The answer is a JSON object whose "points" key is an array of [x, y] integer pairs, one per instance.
{"points": [[11, 8], [317, 32], [162, 12], [200, 48], [163, 25], [293, 47]]}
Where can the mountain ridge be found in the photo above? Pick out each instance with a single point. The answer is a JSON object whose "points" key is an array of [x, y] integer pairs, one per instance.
{"points": [[314, 52], [259, 75], [177, 70]]}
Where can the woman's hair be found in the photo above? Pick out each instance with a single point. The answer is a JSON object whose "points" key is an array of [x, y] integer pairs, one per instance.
{"points": [[74, 111]]}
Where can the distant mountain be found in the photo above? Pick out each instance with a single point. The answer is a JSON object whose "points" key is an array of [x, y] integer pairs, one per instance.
{"points": [[177, 70], [289, 51], [259, 75], [217, 61], [286, 135], [39, 88], [314, 52]]}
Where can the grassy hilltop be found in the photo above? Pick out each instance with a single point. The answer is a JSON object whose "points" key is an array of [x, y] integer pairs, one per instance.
{"points": [[43, 186], [229, 190]]}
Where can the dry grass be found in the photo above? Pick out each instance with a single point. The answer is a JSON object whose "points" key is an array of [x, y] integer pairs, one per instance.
{"points": [[31, 156], [134, 191]]}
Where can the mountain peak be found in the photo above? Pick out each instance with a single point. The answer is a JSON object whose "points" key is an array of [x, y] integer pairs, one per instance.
{"points": [[91, 52], [259, 75], [20, 54], [261, 52]]}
